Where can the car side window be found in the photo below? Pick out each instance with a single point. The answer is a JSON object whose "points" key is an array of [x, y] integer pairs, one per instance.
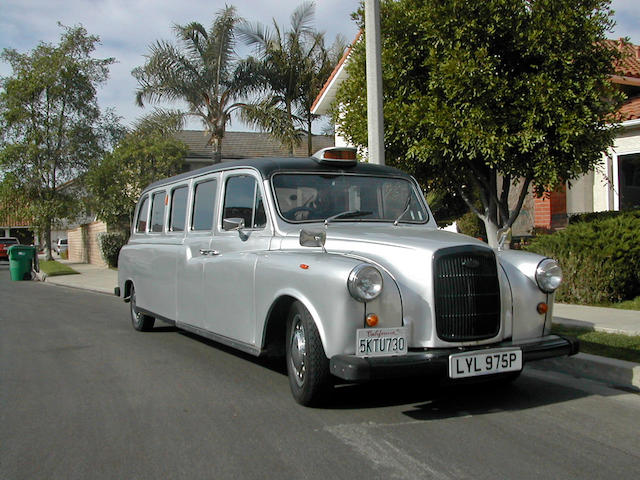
{"points": [[143, 211], [157, 211], [178, 214], [243, 199], [203, 205]]}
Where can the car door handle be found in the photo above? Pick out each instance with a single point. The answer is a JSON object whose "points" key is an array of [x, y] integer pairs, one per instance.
{"points": [[209, 252]]}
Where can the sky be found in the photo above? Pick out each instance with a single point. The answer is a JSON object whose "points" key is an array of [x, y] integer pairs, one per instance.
{"points": [[127, 27]]}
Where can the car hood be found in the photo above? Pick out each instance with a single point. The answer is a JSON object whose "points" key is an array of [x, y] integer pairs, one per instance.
{"points": [[396, 248]]}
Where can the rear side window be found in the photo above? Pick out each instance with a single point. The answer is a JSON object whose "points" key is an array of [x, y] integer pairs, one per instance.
{"points": [[143, 212], [157, 212], [203, 205], [243, 199], [178, 209]]}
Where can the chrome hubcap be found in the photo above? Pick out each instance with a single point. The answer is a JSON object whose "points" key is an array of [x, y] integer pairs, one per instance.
{"points": [[298, 350]]}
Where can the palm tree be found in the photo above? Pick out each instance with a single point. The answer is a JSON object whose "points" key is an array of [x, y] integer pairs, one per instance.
{"points": [[285, 73], [199, 71]]}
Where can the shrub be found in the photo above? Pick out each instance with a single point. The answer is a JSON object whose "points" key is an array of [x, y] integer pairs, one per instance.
{"points": [[110, 245], [600, 258], [592, 216], [471, 225]]}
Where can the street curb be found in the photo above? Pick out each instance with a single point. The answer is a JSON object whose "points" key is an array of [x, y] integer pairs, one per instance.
{"points": [[569, 322], [608, 370]]}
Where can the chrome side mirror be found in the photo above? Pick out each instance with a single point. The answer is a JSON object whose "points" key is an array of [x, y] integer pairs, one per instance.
{"points": [[231, 224], [313, 238], [504, 236]]}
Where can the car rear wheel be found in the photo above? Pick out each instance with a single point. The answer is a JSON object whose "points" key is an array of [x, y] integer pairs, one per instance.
{"points": [[140, 321], [307, 364]]}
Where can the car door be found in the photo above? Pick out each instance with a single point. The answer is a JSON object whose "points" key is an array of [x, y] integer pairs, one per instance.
{"points": [[229, 277], [196, 250]]}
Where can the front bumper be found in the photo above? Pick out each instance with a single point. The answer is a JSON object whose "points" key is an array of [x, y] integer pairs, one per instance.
{"points": [[436, 361]]}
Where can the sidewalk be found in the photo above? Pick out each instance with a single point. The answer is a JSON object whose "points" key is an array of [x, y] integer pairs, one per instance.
{"points": [[612, 320], [91, 277]]}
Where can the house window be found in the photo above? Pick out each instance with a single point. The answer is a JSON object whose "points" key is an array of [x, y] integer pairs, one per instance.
{"points": [[157, 212], [178, 209], [203, 203], [629, 181], [143, 211], [243, 199]]}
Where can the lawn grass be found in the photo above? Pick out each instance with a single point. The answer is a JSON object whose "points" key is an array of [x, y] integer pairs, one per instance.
{"points": [[53, 268], [612, 345], [627, 305]]}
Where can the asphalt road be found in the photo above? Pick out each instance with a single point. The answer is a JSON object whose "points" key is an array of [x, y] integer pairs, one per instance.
{"points": [[84, 396]]}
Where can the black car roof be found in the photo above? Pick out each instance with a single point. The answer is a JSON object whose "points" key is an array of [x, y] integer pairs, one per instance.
{"points": [[268, 166]]}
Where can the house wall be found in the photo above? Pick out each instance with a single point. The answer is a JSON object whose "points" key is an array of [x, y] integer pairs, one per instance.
{"points": [[83, 243], [627, 142]]}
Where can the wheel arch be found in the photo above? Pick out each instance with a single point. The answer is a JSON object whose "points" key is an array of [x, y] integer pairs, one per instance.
{"points": [[273, 336], [128, 285]]}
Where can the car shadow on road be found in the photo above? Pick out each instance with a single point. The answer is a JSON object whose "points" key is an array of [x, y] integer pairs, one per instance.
{"points": [[431, 399], [275, 364], [428, 398]]}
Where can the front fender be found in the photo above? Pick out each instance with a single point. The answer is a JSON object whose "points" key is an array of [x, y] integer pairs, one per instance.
{"points": [[520, 268], [319, 281]]}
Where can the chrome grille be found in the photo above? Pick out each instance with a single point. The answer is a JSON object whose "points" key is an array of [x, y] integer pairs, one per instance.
{"points": [[467, 294]]}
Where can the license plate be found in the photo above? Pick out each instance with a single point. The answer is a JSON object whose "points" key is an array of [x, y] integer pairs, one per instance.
{"points": [[486, 362], [379, 342]]}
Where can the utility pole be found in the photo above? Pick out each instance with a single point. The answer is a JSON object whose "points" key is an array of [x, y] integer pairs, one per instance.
{"points": [[375, 119]]}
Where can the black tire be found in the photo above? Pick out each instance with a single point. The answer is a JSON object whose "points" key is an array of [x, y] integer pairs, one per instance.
{"points": [[307, 364], [141, 322]]}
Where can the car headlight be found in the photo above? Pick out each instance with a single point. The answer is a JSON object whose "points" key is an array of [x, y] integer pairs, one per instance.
{"points": [[365, 283], [548, 275]]}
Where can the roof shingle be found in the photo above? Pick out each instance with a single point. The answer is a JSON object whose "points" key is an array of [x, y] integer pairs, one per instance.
{"points": [[238, 145]]}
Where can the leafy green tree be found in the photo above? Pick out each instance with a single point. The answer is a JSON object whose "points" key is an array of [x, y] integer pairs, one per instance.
{"points": [[51, 125], [287, 73], [199, 71], [486, 97], [148, 153]]}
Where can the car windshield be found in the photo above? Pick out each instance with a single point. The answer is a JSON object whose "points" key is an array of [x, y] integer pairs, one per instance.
{"points": [[315, 197], [9, 241]]}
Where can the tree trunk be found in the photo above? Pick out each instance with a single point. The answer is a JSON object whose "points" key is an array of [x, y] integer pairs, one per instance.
{"points": [[309, 139], [216, 156], [492, 232], [47, 240]]}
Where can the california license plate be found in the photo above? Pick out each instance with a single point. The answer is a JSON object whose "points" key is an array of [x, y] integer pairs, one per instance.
{"points": [[378, 342], [486, 362]]}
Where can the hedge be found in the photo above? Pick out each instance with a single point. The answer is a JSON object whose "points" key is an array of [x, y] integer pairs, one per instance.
{"points": [[110, 245], [600, 258]]}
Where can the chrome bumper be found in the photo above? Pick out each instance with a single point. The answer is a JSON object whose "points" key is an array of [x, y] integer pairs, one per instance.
{"points": [[436, 361]]}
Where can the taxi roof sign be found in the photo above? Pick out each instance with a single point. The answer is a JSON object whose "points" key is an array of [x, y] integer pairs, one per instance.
{"points": [[336, 156]]}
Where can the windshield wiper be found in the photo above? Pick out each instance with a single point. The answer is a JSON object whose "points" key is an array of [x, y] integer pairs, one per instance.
{"points": [[348, 214], [404, 212]]}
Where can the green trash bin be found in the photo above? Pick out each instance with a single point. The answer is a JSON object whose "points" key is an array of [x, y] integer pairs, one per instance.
{"points": [[21, 259]]}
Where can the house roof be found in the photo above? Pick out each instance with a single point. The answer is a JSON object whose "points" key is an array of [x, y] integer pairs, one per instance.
{"points": [[629, 66], [238, 145], [630, 110], [327, 95]]}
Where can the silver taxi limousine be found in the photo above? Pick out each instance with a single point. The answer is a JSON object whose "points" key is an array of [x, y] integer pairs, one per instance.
{"points": [[340, 267]]}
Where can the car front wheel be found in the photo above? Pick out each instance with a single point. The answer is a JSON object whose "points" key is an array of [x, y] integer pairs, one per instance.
{"points": [[307, 364]]}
